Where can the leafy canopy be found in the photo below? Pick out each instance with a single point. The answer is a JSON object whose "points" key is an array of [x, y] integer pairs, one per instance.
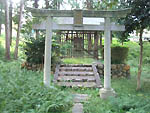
{"points": [[139, 18]]}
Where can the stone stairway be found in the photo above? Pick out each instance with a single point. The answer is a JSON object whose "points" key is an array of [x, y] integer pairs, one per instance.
{"points": [[79, 99], [77, 75]]}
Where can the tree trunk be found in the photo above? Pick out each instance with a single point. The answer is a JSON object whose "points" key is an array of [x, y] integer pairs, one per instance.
{"points": [[111, 36], [140, 61], [89, 42], [37, 34], [122, 42], [47, 4], [10, 20], [0, 28], [96, 37], [7, 31], [1, 20], [36, 5], [19, 29], [89, 4], [100, 39]]}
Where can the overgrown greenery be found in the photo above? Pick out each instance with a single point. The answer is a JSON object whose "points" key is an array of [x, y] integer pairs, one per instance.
{"points": [[23, 91], [34, 51], [119, 53], [127, 100]]}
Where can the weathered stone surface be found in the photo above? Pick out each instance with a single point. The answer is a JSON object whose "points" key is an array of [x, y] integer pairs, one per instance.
{"points": [[127, 67], [105, 93], [113, 66], [117, 70], [80, 98], [77, 108]]}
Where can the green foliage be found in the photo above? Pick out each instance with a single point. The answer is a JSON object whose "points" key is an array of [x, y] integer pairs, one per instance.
{"points": [[2, 17], [139, 18], [106, 4], [74, 4], [121, 36], [65, 47], [130, 103], [1, 50], [34, 51], [128, 100], [78, 60], [118, 54], [22, 91]]}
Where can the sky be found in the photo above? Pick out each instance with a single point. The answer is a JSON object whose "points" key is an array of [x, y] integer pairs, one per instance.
{"points": [[15, 1]]}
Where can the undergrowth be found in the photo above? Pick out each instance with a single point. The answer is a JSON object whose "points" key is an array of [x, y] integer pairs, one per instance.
{"points": [[22, 91]]}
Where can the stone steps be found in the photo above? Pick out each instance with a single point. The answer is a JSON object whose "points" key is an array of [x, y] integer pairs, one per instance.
{"points": [[76, 69], [77, 75], [78, 100], [75, 65], [77, 78], [78, 84]]}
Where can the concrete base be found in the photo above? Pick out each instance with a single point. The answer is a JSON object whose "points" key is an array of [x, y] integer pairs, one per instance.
{"points": [[105, 93]]}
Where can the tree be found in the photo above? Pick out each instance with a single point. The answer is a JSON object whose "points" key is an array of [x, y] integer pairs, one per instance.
{"points": [[2, 17], [36, 5], [138, 19], [7, 31], [106, 4], [10, 19], [53, 4], [19, 29]]}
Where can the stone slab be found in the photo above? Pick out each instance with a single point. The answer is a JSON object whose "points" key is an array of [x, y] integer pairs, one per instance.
{"points": [[62, 73], [76, 69], [78, 84], [79, 98], [77, 108], [77, 78]]}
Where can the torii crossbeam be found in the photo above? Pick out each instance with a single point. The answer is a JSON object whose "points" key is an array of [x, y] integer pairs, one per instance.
{"points": [[49, 25]]}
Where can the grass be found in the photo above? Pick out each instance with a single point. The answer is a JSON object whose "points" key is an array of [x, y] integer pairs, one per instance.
{"points": [[23, 91], [78, 60]]}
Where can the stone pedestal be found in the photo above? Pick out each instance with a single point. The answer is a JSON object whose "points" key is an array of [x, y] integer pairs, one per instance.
{"points": [[105, 93]]}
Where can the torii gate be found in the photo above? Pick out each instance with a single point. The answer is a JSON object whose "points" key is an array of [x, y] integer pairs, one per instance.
{"points": [[78, 15]]}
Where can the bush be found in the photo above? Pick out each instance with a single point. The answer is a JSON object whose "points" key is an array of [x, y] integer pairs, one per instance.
{"points": [[22, 91], [130, 104], [118, 54], [34, 51]]}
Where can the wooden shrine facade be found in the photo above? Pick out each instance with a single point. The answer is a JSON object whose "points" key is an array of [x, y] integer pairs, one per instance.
{"points": [[80, 43]]}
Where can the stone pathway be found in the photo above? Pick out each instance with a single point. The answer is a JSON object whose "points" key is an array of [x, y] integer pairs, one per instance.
{"points": [[78, 100], [77, 75]]}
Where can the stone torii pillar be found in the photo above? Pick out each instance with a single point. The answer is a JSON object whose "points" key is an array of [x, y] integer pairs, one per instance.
{"points": [[107, 90], [47, 57]]}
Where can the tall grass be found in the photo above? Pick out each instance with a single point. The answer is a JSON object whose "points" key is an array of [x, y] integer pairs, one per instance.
{"points": [[22, 91]]}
